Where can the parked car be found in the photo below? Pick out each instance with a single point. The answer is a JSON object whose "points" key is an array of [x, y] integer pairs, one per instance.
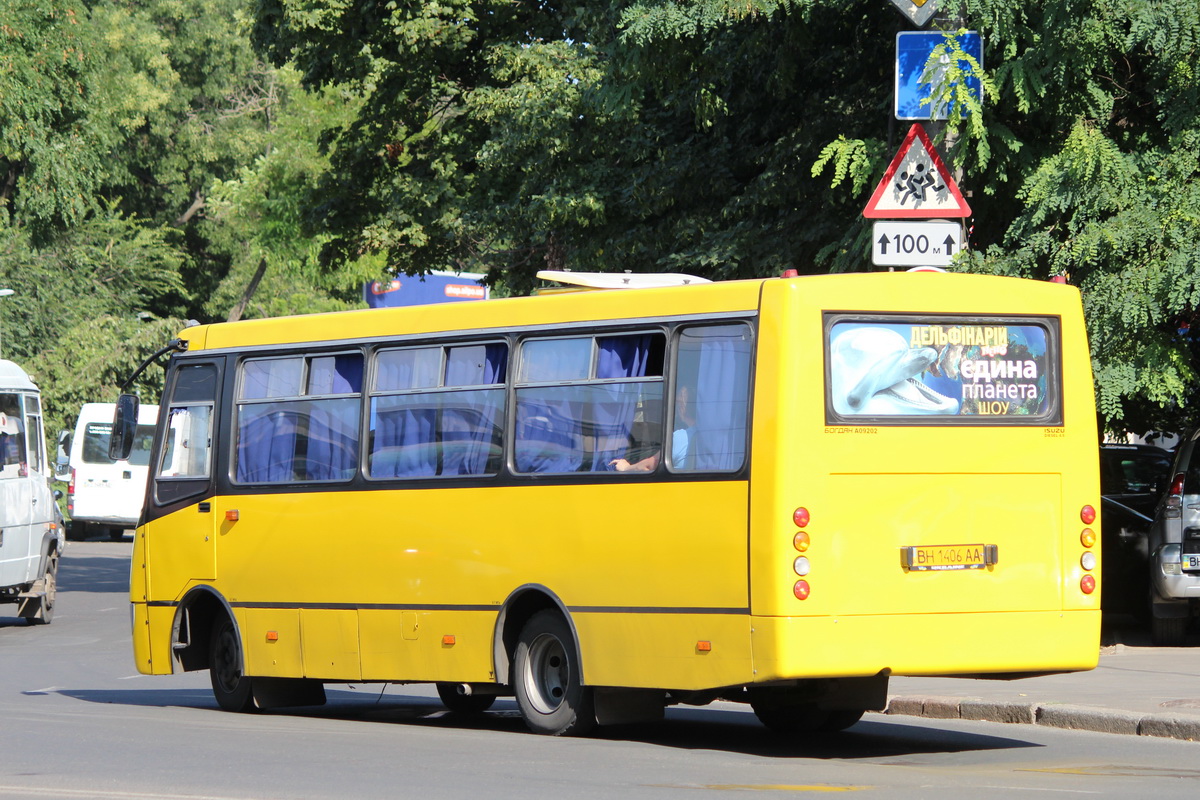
{"points": [[1174, 542], [1132, 479]]}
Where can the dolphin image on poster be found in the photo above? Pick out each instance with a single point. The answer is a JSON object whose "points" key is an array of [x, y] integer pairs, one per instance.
{"points": [[875, 372]]}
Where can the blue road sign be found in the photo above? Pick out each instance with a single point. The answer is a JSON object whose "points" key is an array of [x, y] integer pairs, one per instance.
{"points": [[914, 83]]}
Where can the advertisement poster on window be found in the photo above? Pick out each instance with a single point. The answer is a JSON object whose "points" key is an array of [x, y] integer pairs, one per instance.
{"points": [[977, 371]]}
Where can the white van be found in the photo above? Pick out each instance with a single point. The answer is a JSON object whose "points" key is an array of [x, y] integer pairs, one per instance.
{"points": [[31, 534], [106, 496]]}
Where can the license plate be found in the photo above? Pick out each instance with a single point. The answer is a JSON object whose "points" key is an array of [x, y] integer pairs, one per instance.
{"points": [[945, 557], [1191, 561]]}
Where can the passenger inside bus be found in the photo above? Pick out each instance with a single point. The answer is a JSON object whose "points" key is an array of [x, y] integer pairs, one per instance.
{"points": [[685, 423]]}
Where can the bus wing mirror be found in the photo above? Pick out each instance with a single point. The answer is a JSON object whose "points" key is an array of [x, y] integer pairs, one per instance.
{"points": [[124, 427]]}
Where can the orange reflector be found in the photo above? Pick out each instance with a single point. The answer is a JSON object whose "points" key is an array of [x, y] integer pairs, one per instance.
{"points": [[448, 638], [272, 636], [801, 590], [231, 515], [704, 647], [1087, 584], [1087, 514], [1088, 537], [801, 540], [800, 517]]}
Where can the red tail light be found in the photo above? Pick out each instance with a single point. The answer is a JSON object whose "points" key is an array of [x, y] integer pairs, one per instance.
{"points": [[1177, 484], [71, 483], [1087, 514]]}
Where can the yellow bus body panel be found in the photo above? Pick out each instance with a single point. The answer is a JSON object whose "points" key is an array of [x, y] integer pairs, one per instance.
{"points": [[681, 584], [872, 490]]}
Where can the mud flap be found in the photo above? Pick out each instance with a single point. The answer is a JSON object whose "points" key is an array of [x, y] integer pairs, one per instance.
{"points": [[620, 706], [29, 604], [287, 692]]}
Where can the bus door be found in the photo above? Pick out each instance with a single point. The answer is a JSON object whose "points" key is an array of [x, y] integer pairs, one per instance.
{"points": [[16, 492], [182, 489]]}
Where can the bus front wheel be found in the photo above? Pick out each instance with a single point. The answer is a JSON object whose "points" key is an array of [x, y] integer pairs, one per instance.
{"points": [[548, 686], [231, 688]]}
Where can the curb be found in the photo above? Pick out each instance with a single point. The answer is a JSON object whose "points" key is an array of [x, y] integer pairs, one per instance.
{"points": [[1052, 715]]}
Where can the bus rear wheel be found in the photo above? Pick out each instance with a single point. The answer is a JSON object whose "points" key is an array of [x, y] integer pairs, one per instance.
{"points": [[801, 719], [548, 687], [232, 689]]}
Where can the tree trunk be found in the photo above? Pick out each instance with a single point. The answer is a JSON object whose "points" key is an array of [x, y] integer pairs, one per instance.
{"points": [[240, 308]]}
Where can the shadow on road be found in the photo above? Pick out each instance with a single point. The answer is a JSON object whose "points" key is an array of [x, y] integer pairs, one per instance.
{"points": [[726, 730]]}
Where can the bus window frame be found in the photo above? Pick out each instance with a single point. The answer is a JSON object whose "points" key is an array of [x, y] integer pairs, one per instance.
{"points": [[306, 355], [594, 333], [1052, 324], [370, 392]]}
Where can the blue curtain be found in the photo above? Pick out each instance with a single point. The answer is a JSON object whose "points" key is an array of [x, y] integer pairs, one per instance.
{"points": [[614, 409], [296, 439], [721, 404], [554, 424], [441, 433]]}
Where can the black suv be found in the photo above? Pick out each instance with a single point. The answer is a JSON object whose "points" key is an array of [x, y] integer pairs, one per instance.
{"points": [[1132, 479]]}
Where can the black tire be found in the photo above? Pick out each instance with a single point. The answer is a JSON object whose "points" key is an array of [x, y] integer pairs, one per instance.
{"points": [[233, 690], [116, 534], [802, 719], [76, 531], [45, 611], [546, 679], [1168, 631], [463, 703], [841, 719]]}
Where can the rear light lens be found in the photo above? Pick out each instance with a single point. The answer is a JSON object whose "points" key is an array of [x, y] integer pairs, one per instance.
{"points": [[1088, 537], [1176, 484], [1087, 584], [800, 517], [801, 566], [1087, 514], [801, 541], [802, 591], [1088, 561]]}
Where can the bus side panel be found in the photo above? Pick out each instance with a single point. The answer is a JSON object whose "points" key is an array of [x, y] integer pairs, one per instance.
{"points": [[416, 567], [427, 645], [271, 641], [330, 643], [676, 651]]}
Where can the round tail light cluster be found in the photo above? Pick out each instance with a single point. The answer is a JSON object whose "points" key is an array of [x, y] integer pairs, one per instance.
{"points": [[801, 565], [1087, 538]]}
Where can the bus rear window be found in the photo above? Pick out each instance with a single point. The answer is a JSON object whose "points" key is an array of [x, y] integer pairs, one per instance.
{"points": [[891, 370]]}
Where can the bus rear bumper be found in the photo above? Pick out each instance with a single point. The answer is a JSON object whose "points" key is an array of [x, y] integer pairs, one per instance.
{"points": [[983, 643]]}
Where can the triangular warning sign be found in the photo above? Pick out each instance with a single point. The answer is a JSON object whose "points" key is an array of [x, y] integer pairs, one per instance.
{"points": [[916, 184]]}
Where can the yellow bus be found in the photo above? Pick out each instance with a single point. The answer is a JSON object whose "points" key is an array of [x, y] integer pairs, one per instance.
{"points": [[779, 492]]}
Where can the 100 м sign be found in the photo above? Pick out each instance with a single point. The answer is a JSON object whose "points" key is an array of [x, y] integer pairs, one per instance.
{"points": [[925, 243]]}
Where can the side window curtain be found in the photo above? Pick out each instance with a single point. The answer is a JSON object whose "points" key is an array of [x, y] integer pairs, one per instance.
{"points": [[297, 418], [583, 403], [437, 411], [712, 398]]}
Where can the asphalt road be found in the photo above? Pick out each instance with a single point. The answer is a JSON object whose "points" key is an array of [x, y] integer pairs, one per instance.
{"points": [[79, 722]]}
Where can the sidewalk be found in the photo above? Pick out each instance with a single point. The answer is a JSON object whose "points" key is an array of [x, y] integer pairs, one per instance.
{"points": [[1137, 689]]}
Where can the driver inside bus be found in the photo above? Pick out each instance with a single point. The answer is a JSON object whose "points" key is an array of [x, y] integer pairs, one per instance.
{"points": [[681, 439]]}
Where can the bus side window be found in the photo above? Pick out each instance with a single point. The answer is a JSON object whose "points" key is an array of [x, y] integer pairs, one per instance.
{"points": [[437, 411], [712, 398], [588, 403], [12, 438], [297, 419], [186, 458]]}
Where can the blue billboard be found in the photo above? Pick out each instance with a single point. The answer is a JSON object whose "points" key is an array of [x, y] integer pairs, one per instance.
{"points": [[420, 290]]}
